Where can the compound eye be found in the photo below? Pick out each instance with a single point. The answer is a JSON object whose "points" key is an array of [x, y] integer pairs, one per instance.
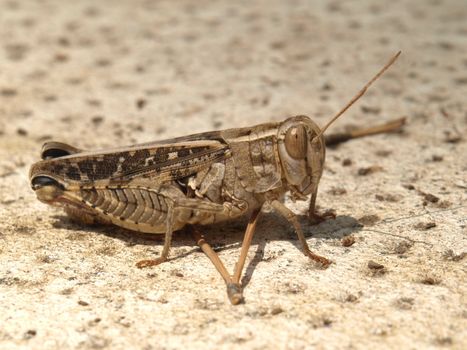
{"points": [[42, 181], [296, 142]]}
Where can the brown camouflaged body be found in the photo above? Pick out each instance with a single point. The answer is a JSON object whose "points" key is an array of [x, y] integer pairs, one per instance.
{"points": [[206, 178]]}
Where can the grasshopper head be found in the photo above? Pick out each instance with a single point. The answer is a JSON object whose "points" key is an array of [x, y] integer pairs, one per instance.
{"points": [[302, 153], [47, 188], [51, 189], [302, 147]]}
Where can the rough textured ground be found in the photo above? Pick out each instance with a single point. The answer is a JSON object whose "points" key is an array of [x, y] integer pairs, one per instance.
{"points": [[117, 72]]}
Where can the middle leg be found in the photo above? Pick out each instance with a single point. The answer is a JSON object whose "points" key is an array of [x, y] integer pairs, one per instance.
{"points": [[313, 215], [167, 242]]}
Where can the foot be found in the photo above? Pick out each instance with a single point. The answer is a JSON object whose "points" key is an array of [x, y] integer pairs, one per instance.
{"points": [[321, 260], [316, 218], [147, 263], [235, 293]]}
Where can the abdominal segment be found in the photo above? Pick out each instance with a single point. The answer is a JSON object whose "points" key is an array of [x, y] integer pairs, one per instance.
{"points": [[137, 209]]}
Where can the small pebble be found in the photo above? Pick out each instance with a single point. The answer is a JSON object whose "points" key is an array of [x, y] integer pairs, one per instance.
{"points": [[402, 247], [348, 241], [140, 103], [276, 310], [351, 298], [370, 109], [431, 198], [423, 226], [369, 170], [97, 120], [374, 265], [430, 281], [8, 92], [30, 333], [21, 132]]}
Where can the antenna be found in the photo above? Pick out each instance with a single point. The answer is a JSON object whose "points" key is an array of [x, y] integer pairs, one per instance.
{"points": [[360, 93]]}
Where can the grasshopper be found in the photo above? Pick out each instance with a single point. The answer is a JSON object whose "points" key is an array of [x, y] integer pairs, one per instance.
{"points": [[159, 187]]}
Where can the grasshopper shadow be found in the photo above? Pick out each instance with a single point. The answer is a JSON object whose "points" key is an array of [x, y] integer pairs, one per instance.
{"points": [[228, 235], [276, 228], [131, 238]]}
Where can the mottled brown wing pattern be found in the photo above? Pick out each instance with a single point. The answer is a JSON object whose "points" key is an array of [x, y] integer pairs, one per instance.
{"points": [[176, 164], [158, 162]]}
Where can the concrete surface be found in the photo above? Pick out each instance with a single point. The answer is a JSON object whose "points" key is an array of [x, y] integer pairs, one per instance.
{"points": [[107, 73]]}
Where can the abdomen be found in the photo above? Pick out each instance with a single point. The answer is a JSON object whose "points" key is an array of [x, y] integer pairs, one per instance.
{"points": [[138, 209]]}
